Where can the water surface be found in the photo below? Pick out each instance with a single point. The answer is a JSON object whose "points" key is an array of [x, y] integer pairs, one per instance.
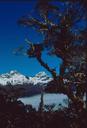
{"points": [[49, 99]]}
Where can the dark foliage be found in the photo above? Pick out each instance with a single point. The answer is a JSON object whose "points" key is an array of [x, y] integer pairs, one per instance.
{"points": [[14, 114]]}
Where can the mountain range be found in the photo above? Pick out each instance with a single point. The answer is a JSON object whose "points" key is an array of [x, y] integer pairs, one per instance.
{"points": [[16, 78], [27, 85]]}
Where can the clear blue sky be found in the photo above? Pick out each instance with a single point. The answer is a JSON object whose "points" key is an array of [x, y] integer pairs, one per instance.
{"points": [[13, 36]]}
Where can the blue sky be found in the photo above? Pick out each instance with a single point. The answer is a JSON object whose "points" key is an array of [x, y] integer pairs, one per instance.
{"points": [[12, 36]]}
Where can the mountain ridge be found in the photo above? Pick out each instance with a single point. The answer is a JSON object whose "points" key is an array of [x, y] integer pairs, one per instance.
{"points": [[16, 78]]}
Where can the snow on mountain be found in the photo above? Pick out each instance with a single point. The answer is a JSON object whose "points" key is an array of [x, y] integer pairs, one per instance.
{"points": [[41, 78], [15, 78]]}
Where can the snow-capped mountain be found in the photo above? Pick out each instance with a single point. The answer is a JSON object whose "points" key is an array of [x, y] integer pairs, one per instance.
{"points": [[15, 78], [41, 78]]}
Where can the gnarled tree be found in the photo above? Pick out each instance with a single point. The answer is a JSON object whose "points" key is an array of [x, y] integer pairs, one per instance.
{"points": [[63, 25]]}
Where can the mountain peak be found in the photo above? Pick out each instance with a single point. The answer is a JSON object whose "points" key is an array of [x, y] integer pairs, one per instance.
{"points": [[41, 74], [14, 72], [41, 78]]}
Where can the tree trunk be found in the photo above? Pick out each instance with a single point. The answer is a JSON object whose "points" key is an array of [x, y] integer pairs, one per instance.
{"points": [[61, 88]]}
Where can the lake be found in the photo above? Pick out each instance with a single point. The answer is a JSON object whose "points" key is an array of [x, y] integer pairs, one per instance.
{"points": [[60, 100]]}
